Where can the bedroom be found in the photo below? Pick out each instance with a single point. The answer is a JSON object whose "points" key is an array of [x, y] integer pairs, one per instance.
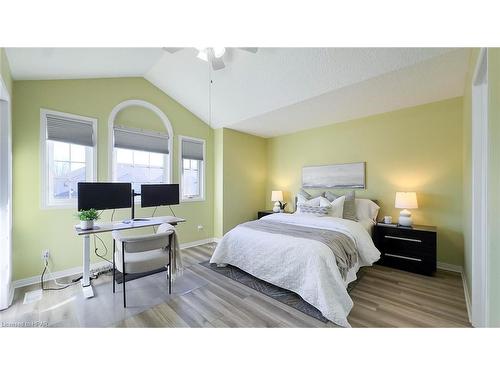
{"points": [[275, 185]]}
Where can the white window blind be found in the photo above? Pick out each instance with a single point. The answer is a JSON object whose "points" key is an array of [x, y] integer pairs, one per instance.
{"points": [[192, 149], [140, 140], [70, 130]]}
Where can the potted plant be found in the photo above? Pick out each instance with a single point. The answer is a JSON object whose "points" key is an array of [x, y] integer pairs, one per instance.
{"points": [[282, 206], [87, 218]]}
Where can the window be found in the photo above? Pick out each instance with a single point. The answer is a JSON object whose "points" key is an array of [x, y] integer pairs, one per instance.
{"points": [[192, 169], [140, 167], [68, 145], [140, 157]]}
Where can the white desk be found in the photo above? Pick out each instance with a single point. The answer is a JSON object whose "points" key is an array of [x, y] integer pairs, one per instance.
{"points": [[99, 227]]}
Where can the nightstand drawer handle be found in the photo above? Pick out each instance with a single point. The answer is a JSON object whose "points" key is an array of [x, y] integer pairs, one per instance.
{"points": [[402, 257], [403, 238]]}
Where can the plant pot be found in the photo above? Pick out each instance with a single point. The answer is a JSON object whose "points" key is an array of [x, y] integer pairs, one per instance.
{"points": [[86, 224]]}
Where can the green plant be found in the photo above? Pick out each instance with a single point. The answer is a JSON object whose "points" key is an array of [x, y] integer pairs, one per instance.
{"points": [[87, 215]]}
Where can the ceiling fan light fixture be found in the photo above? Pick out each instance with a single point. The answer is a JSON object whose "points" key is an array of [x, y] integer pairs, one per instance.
{"points": [[219, 52], [202, 54]]}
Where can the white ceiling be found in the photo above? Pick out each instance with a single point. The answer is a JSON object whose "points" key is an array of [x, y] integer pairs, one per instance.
{"points": [[67, 63], [273, 92]]}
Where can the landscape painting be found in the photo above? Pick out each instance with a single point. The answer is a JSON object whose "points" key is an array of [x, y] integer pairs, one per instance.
{"points": [[335, 176]]}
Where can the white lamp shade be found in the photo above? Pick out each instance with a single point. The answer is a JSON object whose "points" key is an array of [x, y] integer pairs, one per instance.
{"points": [[406, 200], [276, 195]]}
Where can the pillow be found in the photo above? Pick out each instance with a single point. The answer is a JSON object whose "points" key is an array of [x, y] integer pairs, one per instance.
{"points": [[315, 210], [303, 196], [337, 206], [349, 212], [330, 196], [315, 202], [366, 209]]}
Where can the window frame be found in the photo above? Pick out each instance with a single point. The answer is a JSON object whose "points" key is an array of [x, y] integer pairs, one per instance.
{"points": [[111, 135], [166, 169], [202, 196], [48, 202]]}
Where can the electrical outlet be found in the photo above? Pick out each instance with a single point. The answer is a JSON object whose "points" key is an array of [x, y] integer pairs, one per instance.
{"points": [[200, 227], [45, 254]]}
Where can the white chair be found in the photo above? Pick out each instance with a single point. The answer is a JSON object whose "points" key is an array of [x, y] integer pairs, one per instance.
{"points": [[143, 253]]}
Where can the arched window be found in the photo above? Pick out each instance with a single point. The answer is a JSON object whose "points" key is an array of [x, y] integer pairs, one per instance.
{"points": [[140, 154]]}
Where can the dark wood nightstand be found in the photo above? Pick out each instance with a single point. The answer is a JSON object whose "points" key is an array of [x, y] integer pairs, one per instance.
{"points": [[408, 248], [266, 212]]}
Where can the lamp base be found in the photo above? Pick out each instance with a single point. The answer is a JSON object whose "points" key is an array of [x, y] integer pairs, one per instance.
{"points": [[276, 207], [405, 219]]}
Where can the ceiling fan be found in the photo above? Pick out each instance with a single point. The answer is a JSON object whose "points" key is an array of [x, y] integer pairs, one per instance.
{"points": [[213, 55]]}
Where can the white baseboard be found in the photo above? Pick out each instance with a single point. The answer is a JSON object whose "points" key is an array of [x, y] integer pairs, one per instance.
{"points": [[460, 270], [467, 297], [56, 275], [76, 270], [450, 267], [197, 243]]}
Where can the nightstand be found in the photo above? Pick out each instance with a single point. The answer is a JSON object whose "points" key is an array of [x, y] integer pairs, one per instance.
{"points": [[266, 212], [408, 248]]}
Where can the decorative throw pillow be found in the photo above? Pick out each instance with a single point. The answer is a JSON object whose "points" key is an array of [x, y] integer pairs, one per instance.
{"points": [[303, 196], [366, 209], [315, 210], [337, 207], [330, 196], [350, 206]]}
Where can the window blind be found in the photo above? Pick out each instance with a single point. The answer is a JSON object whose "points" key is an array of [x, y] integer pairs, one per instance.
{"points": [[70, 130], [140, 140], [192, 149]]}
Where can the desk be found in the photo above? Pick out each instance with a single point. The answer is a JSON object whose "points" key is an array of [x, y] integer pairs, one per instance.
{"points": [[100, 227]]}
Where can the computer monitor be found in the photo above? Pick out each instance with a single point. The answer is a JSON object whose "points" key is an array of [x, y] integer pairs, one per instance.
{"points": [[153, 195], [104, 195]]}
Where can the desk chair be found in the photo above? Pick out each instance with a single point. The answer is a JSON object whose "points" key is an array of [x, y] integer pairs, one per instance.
{"points": [[142, 253]]}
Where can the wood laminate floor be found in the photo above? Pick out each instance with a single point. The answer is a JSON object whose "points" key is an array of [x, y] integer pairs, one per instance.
{"points": [[384, 297]]}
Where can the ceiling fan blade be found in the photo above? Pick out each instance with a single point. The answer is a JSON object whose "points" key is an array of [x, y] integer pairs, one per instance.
{"points": [[249, 49], [217, 62], [172, 49]]}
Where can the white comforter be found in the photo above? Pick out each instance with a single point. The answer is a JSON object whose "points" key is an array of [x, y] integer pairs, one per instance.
{"points": [[304, 266]]}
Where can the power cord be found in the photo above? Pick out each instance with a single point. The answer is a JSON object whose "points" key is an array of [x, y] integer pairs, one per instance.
{"points": [[105, 247], [154, 226], [62, 286], [112, 215]]}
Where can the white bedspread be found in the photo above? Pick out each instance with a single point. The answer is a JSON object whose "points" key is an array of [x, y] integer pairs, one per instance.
{"points": [[304, 266]]}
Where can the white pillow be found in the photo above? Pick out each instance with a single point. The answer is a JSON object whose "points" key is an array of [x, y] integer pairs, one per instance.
{"points": [[337, 206], [311, 202], [366, 209], [314, 202]]}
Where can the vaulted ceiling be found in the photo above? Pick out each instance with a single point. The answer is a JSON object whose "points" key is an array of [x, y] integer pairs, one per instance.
{"points": [[273, 92]]}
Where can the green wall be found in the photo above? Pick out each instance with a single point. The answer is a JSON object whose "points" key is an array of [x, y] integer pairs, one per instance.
{"points": [[240, 177], [416, 149], [218, 182], [35, 228], [5, 71]]}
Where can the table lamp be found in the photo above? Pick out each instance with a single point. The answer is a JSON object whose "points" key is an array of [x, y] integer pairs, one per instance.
{"points": [[406, 200], [276, 197]]}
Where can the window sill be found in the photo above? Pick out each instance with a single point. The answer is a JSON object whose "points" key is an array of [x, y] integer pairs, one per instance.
{"points": [[60, 206], [187, 200]]}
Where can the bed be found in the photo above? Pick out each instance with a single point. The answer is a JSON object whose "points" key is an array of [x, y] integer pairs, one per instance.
{"points": [[302, 264]]}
